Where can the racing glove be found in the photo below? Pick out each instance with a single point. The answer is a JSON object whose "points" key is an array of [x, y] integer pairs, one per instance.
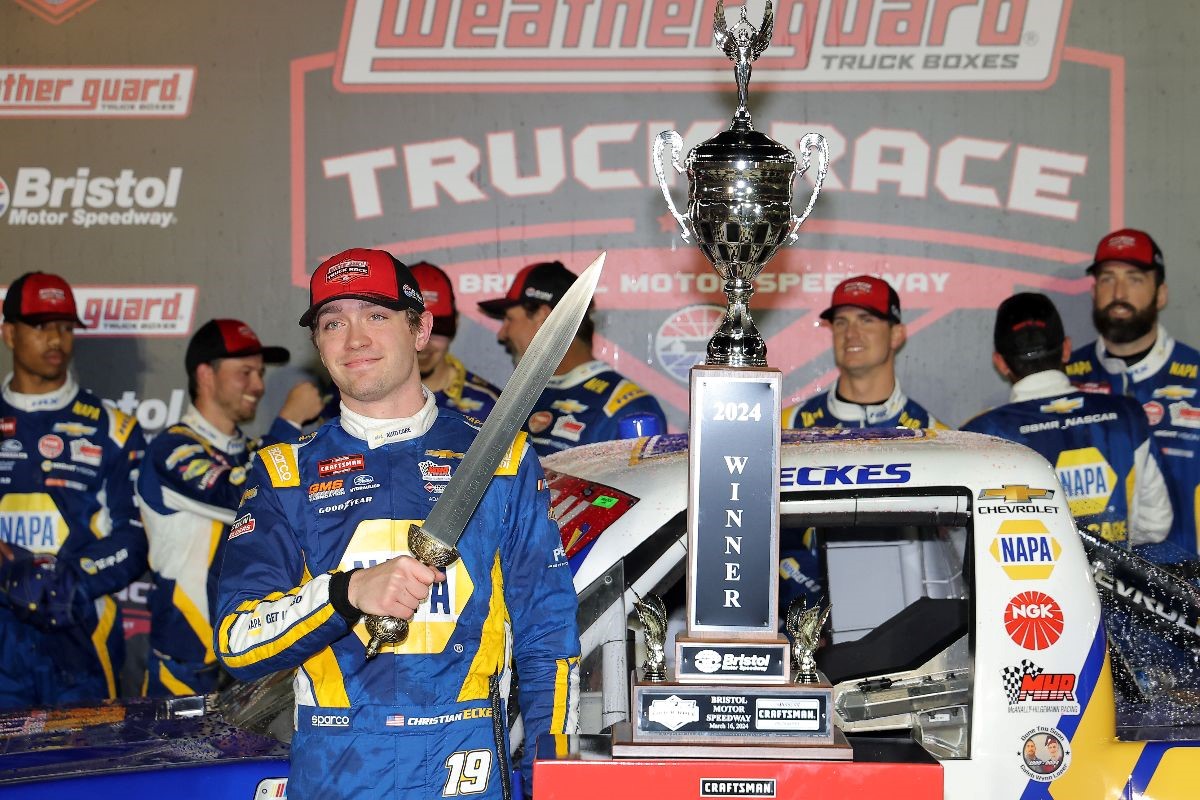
{"points": [[42, 592]]}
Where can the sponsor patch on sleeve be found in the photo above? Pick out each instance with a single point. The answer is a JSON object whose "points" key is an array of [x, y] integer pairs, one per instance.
{"points": [[512, 459], [241, 526], [626, 392], [280, 462]]}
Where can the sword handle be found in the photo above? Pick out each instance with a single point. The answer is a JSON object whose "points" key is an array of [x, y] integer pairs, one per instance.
{"points": [[430, 552]]}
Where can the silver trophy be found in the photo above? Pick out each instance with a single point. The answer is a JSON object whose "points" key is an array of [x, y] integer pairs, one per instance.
{"points": [[653, 614], [804, 625], [740, 195]]}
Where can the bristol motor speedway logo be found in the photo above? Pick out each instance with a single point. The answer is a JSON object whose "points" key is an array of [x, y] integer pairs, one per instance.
{"points": [[40, 197], [929, 196]]}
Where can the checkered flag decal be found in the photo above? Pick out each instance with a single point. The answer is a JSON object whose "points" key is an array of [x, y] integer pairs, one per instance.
{"points": [[1012, 678]]}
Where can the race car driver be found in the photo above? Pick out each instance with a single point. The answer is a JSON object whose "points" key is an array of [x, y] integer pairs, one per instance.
{"points": [[1136, 356], [586, 401], [190, 485], [864, 317], [70, 535], [453, 386], [322, 539], [1099, 444]]}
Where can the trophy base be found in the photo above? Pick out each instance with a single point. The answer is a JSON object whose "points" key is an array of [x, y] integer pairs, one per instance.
{"points": [[624, 745], [791, 714]]}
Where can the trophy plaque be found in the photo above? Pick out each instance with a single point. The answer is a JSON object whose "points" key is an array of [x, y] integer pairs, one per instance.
{"points": [[732, 694]]}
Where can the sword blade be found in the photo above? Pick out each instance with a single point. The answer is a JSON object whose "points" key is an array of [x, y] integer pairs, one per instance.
{"points": [[450, 514]]}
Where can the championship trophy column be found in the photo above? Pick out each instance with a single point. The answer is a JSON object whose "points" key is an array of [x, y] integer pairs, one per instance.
{"points": [[731, 695]]}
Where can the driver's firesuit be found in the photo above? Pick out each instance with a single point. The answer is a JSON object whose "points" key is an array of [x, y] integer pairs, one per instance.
{"points": [[1100, 447], [67, 471], [829, 410], [417, 720]]}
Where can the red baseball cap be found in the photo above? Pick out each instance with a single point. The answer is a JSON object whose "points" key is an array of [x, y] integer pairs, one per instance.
{"points": [[38, 297], [1129, 246], [868, 293], [228, 338], [361, 274], [544, 282], [438, 292]]}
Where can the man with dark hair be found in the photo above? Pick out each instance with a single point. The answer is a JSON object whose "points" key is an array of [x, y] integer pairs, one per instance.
{"points": [[190, 485], [864, 317], [1136, 356], [586, 401], [70, 535], [1099, 445], [322, 539], [453, 386]]}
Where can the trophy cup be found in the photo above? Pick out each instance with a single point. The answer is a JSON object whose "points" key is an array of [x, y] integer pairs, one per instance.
{"points": [[739, 210], [730, 693]]}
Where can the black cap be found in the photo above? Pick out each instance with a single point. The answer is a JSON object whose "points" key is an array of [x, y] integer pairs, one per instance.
{"points": [[545, 282], [1028, 327], [228, 338]]}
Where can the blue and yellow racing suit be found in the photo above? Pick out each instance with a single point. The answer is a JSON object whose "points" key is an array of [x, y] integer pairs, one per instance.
{"points": [[67, 471], [467, 392], [830, 411], [1100, 447], [588, 404], [418, 719], [1165, 382], [191, 482]]}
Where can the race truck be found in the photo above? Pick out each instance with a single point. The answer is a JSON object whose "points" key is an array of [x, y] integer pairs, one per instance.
{"points": [[966, 607]]}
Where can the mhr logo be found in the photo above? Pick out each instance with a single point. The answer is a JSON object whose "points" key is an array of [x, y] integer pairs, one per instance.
{"points": [[439, 43]]}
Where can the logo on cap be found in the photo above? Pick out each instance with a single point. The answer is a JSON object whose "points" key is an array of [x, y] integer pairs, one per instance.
{"points": [[1122, 241], [348, 271], [52, 295], [857, 287], [413, 294], [538, 294]]}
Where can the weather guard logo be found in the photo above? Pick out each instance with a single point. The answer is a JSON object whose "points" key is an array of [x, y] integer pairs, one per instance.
{"points": [[135, 311], [387, 43], [62, 92]]}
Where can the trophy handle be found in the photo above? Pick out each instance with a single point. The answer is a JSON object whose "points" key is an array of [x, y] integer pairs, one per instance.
{"points": [[676, 141], [810, 142]]}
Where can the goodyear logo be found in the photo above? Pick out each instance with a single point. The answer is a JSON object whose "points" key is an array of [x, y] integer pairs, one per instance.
{"points": [[1087, 479], [1025, 549]]}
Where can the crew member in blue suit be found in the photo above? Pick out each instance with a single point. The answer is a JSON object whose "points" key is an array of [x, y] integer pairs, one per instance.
{"points": [[1137, 357], [70, 535], [1100, 445], [452, 384], [864, 317], [322, 538], [586, 401], [190, 485]]}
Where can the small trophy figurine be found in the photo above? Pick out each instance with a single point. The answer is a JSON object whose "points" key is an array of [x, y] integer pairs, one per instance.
{"points": [[804, 626], [653, 614]]}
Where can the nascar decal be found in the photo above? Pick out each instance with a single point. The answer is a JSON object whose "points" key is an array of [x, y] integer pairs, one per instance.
{"points": [[377, 540], [1087, 479], [1033, 620], [1025, 549], [584, 509], [341, 464], [1016, 499], [32, 521], [1045, 753], [1032, 690]]}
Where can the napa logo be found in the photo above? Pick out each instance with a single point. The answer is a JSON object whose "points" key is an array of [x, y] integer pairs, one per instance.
{"points": [[377, 540], [1087, 479], [33, 522], [1025, 549]]}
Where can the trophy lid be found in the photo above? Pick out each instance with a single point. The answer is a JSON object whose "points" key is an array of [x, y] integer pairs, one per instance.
{"points": [[741, 144]]}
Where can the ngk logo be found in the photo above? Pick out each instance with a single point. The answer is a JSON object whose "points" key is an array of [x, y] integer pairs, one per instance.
{"points": [[1033, 620], [389, 43], [94, 200]]}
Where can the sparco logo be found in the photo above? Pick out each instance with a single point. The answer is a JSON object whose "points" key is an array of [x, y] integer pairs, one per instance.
{"points": [[330, 721], [91, 201], [737, 787], [282, 468], [459, 42]]}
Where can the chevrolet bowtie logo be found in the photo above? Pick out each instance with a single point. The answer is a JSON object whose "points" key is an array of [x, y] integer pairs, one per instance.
{"points": [[443, 454], [1063, 405], [1015, 494], [569, 406], [1175, 392]]}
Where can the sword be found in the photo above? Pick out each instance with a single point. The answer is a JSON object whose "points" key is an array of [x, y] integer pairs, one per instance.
{"points": [[433, 543]]}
